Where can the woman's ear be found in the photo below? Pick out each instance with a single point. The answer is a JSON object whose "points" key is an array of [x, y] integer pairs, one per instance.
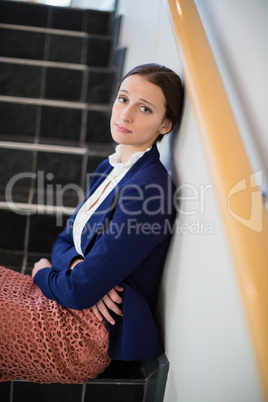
{"points": [[166, 127]]}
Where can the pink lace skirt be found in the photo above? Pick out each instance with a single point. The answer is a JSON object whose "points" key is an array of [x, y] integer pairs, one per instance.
{"points": [[41, 341]]}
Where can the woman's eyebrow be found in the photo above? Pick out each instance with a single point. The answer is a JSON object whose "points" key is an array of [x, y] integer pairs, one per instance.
{"points": [[142, 99]]}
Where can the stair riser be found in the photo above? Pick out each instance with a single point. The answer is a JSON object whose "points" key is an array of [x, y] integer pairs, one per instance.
{"points": [[54, 178], [57, 125], [90, 21], [58, 72], [93, 51], [67, 84]]}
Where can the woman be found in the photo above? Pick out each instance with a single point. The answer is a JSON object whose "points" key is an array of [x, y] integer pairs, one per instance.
{"points": [[94, 302]]}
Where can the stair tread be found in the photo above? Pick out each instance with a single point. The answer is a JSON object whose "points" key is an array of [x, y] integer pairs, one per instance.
{"points": [[105, 107], [54, 64], [66, 18], [54, 31]]}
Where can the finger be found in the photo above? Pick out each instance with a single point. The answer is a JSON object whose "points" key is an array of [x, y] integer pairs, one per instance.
{"points": [[114, 296], [45, 261], [111, 305], [102, 308], [42, 263], [119, 288], [97, 313]]}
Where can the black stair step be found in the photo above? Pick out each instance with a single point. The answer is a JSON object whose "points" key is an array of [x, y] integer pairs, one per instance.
{"points": [[67, 18], [14, 260], [20, 80], [60, 167], [62, 126], [138, 381], [101, 86], [22, 44], [64, 84], [77, 48], [43, 231], [9, 222], [58, 125], [13, 164], [67, 84], [18, 120], [95, 21], [40, 241], [46, 176], [36, 15], [23, 13]]}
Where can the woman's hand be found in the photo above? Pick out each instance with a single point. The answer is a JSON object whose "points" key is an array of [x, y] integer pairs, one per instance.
{"points": [[41, 264], [109, 301], [101, 308]]}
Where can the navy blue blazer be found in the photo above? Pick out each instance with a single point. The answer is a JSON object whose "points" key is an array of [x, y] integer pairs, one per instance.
{"points": [[124, 242]]}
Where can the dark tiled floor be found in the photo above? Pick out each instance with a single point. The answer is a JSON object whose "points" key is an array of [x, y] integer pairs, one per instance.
{"points": [[22, 44], [98, 127], [5, 391], [20, 80], [44, 230], [60, 123], [63, 84], [100, 86], [67, 49], [59, 169], [123, 370], [120, 382], [63, 197], [68, 19], [98, 22], [115, 393], [29, 392], [23, 14], [15, 174], [13, 162], [99, 52], [17, 120], [11, 259], [14, 194], [12, 229]]}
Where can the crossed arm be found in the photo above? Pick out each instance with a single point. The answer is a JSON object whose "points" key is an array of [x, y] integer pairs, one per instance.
{"points": [[100, 309]]}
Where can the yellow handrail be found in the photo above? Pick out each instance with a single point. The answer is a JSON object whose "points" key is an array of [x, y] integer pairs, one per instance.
{"points": [[240, 201]]}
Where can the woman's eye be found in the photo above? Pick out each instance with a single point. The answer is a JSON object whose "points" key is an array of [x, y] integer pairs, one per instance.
{"points": [[122, 99], [145, 109]]}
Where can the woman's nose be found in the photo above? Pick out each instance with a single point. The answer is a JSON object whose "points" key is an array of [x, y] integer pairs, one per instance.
{"points": [[127, 114]]}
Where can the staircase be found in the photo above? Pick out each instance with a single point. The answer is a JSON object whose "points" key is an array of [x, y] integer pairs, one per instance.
{"points": [[59, 69]]}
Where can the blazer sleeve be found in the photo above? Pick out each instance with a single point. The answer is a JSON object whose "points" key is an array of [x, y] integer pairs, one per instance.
{"points": [[140, 222]]}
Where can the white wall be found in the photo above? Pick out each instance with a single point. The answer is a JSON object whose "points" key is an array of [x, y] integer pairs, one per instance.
{"points": [[237, 31], [200, 308], [147, 34], [104, 5], [203, 321]]}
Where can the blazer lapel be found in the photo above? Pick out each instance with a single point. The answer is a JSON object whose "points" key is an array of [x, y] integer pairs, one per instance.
{"points": [[96, 225]]}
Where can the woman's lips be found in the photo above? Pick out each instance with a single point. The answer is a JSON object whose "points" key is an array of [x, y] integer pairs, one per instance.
{"points": [[122, 129]]}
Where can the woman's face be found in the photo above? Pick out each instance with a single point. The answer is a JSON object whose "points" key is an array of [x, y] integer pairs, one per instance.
{"points": [[138, 114]]}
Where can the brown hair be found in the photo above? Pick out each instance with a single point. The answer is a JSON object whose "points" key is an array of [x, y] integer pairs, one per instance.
{"points": [[171, 85]]}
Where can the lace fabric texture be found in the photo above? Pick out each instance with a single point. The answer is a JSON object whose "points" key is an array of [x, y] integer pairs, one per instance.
{"points": [[41, 341]]}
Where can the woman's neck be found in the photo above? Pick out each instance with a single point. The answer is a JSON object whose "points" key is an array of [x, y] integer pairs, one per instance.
{"points": [[126, 151]]}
